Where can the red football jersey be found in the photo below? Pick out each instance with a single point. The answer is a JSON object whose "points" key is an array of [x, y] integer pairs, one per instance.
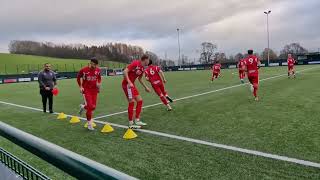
{"points": [[241, 65], [252, 63], [290, 62], [152, 72], [90, 77], [216, 68], [135, 70]]}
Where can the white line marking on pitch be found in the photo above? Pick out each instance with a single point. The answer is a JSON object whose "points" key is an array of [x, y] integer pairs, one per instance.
{"points": [[201, 94], [216, 145]]}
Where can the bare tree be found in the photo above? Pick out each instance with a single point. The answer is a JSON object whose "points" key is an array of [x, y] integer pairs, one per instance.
{"points": [[220, 57], [231, 59], [170, 63], [294, 49], [184, 60], [166, 62], [257, 55], [238, 56], [273, 55], [207, 52], [153, 57]]}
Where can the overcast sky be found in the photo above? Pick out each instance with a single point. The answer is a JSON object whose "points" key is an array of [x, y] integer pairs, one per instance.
{"points": [[234, 25]]}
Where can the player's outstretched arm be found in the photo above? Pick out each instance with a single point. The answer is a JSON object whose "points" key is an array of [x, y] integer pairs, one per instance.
{"points": [[162, 76], [143, 84]]}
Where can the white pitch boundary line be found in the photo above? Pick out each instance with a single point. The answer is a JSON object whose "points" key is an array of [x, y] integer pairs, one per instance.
{"points": [[201, 94], [197, 141], [216, 145]]}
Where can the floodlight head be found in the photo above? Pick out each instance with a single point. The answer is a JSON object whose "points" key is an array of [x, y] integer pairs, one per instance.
{"points": [[267, 12]]}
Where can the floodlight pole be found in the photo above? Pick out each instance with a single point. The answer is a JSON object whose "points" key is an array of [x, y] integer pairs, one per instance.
{"points": [[267, 13], [178, 30]]}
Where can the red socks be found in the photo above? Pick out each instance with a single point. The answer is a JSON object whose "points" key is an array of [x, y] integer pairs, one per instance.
{"points": [[241, 76], [130, 111], [89, 115], [138, 109], [164, 100]]}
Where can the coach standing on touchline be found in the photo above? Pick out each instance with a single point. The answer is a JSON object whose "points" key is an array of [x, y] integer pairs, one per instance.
{"points": [[47, 81]]}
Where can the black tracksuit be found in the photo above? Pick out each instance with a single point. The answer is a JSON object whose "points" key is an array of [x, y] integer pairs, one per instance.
{"points": [[47, 79]]}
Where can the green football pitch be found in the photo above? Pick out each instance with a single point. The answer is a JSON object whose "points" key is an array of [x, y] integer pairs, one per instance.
{"points": [[180, 144]]}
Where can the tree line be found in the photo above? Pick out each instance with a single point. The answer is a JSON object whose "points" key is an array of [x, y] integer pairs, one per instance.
{"points": [[293, 48], [118, 52]]}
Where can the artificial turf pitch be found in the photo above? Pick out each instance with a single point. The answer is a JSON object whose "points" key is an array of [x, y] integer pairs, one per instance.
{"points": [[284, 122]]}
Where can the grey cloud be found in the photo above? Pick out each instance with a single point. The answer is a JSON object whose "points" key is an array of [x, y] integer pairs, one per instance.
{"points": [[156, 18]]}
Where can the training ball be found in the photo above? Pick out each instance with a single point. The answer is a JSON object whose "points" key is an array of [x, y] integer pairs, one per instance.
{"points": [[55, 91]]}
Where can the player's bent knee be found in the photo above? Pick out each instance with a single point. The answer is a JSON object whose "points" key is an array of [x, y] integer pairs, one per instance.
{"points": [[138, 98]]}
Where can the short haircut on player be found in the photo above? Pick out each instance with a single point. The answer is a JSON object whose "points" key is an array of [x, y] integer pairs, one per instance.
{"points": [[250, 51], [94, 60], [45, 64], [144, 57], [150, 62]]}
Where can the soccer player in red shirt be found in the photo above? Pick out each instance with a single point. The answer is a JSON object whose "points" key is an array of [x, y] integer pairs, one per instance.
{"points": [[216, 70], [291, 70], [241, 67], [252, 65], [89, 81], [131, 73], [156, 77]]}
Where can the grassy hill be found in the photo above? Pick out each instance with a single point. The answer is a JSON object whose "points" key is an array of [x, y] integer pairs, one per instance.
{"points": [[23, 64]]}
